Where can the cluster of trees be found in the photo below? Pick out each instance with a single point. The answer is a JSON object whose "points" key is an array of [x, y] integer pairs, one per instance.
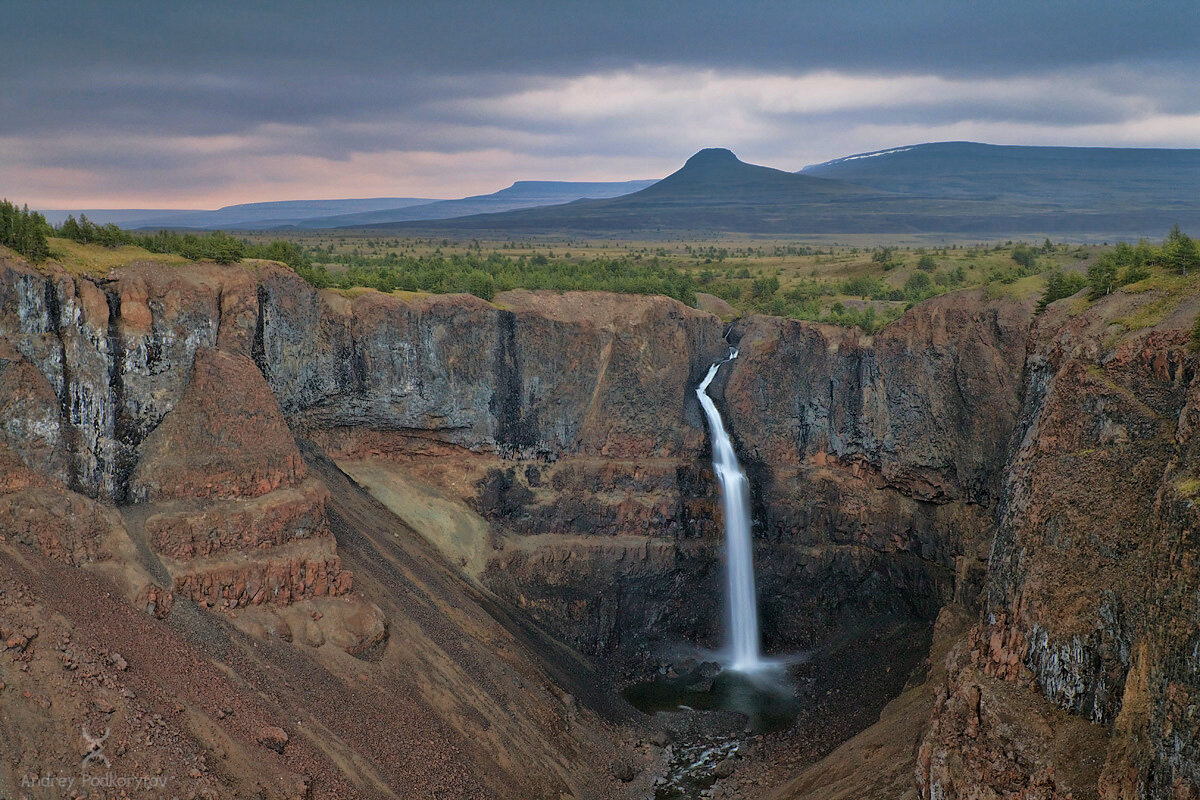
{"points": [[24, 231], [1126, 264], [484, 276], [866, 317], [919, 286], [217, 246], [802, 300], [885, 257], [1180, 252], [474, 273], [1025, 256]]}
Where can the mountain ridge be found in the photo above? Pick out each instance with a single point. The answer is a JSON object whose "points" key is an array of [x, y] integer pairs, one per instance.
{"points": [[933, 187], [964, 188], [521, 194], [355, 211], [1051, 175], [231, 215]]}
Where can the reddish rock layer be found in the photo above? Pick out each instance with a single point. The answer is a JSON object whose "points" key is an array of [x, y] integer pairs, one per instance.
{"points": [[225, 438], [204, 529]]}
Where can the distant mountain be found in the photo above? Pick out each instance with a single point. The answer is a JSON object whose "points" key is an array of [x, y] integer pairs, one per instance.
{"points": [[717, 175], [942, 187], [354, 213], [1065, 178], [242, 216], [953, 187], [522, 194], [714, 190]]}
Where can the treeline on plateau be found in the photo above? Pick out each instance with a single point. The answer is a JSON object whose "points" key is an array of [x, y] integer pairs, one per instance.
{"points": [[484, 276], [216, 246], [474, 274]]}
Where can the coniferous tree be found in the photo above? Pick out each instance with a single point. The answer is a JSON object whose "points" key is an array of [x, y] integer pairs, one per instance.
{"points": [[1179, 252], [24, 231], [1102, 275]]}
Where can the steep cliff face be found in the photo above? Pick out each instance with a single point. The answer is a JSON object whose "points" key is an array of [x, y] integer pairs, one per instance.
{"points": [[566, 424], [1091, 586], [117, 351], [534, 375], [143, 441]]}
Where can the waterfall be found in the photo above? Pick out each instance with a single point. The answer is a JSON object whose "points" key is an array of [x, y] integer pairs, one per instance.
{"points": [[739, 567]]}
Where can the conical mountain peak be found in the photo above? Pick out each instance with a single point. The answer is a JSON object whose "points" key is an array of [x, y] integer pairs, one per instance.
{"points": [[711, 156]]}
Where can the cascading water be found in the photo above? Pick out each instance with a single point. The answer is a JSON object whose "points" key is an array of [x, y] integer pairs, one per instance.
{"points": [[735, 500]]}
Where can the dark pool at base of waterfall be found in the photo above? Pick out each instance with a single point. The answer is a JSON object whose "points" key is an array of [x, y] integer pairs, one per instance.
{"points": [[765, 698]]}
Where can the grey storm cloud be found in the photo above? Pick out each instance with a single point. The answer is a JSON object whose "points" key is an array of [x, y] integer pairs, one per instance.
{"points": [[159, 99]]}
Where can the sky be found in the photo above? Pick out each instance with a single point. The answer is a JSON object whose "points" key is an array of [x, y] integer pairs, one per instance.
{"points": [[200, 104]]}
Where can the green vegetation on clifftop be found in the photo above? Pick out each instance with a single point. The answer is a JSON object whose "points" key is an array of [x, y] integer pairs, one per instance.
{"points": [[865, 285], [1124, 265], [24, 231]]}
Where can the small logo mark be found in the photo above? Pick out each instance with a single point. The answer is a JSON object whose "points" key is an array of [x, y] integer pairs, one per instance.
{"points": [[95, 748]]}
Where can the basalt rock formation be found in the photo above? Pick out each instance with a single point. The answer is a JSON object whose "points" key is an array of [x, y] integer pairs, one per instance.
{"points": [[352, 512]]}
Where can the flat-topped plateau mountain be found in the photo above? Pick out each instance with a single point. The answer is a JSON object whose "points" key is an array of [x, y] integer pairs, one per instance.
{"points": [[343, 213]]}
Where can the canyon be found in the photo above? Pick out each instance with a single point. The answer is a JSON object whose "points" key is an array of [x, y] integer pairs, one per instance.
{"points": [[283, 542]]}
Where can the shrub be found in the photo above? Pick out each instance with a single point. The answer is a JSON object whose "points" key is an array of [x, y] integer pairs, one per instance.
{"points": [[953, 277], [1134, 273], [863, 286], [480, 284], [1024, 256], [885, 257], [764, 287], [918, 286], [1180, 252]]}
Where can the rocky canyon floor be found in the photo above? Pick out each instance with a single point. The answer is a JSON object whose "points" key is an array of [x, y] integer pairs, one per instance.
{"points": [[260, 540]]}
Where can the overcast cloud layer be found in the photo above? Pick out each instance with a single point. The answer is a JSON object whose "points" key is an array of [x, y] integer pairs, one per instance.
{"points": [[202, 104]]}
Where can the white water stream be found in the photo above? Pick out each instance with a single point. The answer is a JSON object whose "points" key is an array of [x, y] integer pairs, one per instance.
{"points": [[739, 567]]}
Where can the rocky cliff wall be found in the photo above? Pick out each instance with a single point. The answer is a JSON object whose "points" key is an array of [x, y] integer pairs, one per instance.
{"points": [[534, 375], [1091, 588], [875, 461], [142, 440], [875, 473], [132, 387]]}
